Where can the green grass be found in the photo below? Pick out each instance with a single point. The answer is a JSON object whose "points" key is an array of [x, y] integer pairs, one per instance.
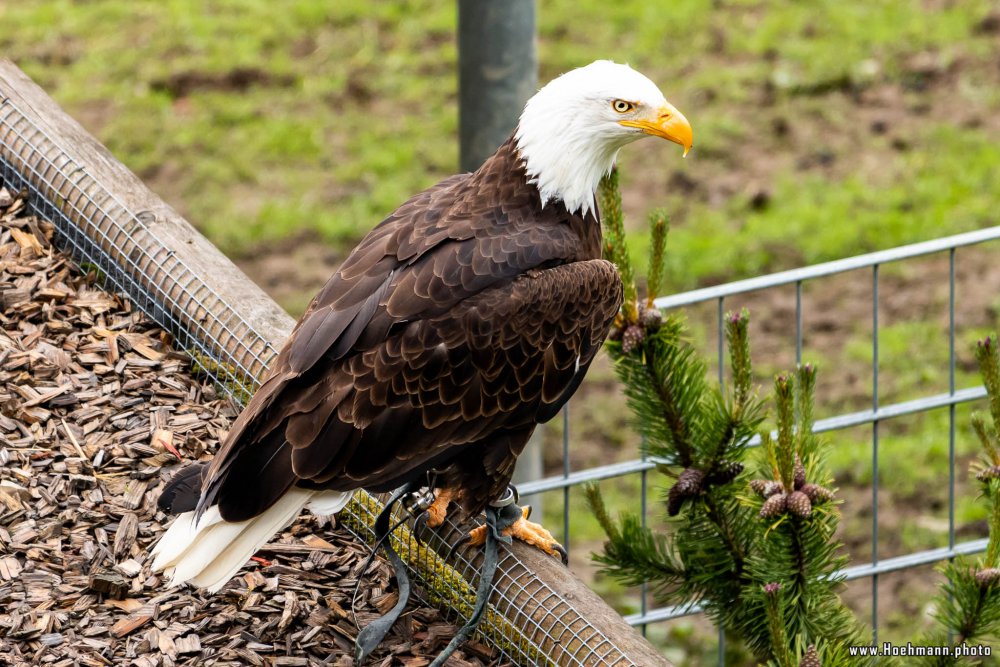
{"points": [[350, 107], [941, 186]]}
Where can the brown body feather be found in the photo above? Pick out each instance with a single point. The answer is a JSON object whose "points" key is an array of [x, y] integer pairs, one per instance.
{"points": [[464, 319]]}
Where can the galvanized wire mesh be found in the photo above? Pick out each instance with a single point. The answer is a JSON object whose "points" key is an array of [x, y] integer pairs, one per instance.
{"points": [[528, 621]]}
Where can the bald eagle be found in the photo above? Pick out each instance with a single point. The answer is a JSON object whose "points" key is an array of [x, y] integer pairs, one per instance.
{"points": [[463, 320]]}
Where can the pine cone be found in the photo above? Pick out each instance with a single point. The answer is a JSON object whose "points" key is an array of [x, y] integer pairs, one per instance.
{"points": [[632, 338], [675, 499], [725, 472], [810, 658], [987, 577], [765, 488], [690, 483], [799, 504], [817, 493], [651, 319], [799, 473], [986, 474], [774, 506]]}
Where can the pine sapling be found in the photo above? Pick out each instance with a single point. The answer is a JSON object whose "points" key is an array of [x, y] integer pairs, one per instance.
{"points": [[728, 537], [967, 606]]}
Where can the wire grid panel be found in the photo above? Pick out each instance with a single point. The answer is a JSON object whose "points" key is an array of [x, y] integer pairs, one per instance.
{"points": [[535, 626], [878, 413]]}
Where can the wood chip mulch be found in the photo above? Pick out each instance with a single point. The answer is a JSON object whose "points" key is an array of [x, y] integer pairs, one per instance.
{"points": [[96, 409]]}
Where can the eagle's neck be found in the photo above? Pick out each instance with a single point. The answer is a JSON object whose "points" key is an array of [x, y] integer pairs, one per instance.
{"points": [[503, 179], [565, 163]]}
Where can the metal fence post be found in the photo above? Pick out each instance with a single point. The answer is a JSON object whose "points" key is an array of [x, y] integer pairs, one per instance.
{"points": [[497, 72]]}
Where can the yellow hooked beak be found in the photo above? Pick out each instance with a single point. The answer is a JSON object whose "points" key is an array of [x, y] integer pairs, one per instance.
{"points": [[668, 123]]}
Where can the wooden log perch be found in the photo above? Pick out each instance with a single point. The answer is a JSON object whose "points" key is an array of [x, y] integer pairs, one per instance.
{"points": [[541, 612]]}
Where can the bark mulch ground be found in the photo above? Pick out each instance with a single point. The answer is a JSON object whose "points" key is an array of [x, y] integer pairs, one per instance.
{"points": [[97, 409]]}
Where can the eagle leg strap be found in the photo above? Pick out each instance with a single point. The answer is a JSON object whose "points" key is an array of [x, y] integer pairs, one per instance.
{"points": [[505, 519], [497, 518], [508, 512], [375, 632]]}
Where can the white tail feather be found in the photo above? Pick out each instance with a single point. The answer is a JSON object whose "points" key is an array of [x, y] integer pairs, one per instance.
{"points": [[329, 502], [210, 552]]}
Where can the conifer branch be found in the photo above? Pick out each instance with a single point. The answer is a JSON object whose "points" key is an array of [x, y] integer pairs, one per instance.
{"points": [[659, 226], [770, 448], [609, 202], [600, 510], [673, 413], [784, 387], [968, 603], [987, 437], [727, 531], [968, 628], [776, 624], [738, 340], [804, 399], [988, 356], [967, 606], [634, 554], [992, 557]]}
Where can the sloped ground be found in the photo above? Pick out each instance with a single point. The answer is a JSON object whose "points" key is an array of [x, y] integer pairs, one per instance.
{"points": [[96, 407]]}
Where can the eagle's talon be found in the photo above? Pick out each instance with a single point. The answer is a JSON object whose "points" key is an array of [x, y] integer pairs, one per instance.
{"points": [[438, 509], [476, 536], [466, 539], [420, 522], [526, 531]]}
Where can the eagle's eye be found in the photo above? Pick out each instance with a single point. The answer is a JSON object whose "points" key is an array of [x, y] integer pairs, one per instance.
{"points": [[621, 106]]}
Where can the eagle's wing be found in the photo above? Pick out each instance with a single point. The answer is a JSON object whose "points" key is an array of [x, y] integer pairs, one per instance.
{"points": [[430, 336]]}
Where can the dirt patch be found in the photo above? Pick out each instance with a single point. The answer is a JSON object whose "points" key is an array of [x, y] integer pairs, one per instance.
{"points": [[182, 84]]}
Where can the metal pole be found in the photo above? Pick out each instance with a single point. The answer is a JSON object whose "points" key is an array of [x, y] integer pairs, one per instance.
{"points": [[529, 468], [497, 72]]}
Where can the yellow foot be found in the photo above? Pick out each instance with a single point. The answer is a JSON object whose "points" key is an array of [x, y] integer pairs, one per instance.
{"points": [[439, 508], [526, 531]]}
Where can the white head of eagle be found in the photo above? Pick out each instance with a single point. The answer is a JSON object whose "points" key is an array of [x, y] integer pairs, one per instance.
{"points": [[571, 130]]}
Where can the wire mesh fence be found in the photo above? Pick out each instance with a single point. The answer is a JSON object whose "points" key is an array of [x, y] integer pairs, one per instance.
{"points": [[94, 226]]}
